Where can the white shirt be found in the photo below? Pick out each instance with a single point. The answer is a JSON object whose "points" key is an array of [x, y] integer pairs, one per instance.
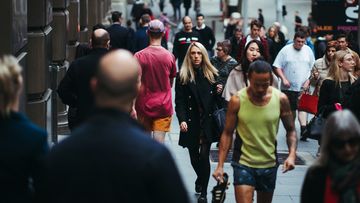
{"points": [[249, 38], [295, 64]]}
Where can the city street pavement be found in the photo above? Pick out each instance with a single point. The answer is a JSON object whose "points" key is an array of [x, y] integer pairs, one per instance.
{"points": [[288, 185]]}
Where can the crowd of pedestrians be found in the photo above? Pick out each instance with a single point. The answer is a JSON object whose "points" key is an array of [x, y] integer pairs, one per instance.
{"points": [[120, 87]]}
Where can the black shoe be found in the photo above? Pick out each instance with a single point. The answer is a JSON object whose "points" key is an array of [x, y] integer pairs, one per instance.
{"points": [[198, 188], [303, 138], [218, 192], [202, 198]]}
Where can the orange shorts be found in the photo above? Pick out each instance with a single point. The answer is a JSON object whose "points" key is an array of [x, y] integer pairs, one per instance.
{"points": [[156, 124]]}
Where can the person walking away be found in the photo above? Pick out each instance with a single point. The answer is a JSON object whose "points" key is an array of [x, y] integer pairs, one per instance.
{"points": [[23, 145], [255, 113], [154, 102], [120, 36], [74, 89], [110, 157]]}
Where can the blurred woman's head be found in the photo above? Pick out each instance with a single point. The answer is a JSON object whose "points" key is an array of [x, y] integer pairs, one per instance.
{"points": [[341, 138], [272, 32], [10, 84], [197, 58]]}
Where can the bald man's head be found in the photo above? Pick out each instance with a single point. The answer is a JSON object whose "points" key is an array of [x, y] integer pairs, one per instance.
{"points": [[100, 38], [117, 77]]}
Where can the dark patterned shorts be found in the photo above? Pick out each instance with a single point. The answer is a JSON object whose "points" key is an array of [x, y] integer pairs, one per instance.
{"points": [[263, 179]]}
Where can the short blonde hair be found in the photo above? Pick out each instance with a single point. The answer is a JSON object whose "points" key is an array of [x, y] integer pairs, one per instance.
{"points": [[10, 83], [187, 73]]}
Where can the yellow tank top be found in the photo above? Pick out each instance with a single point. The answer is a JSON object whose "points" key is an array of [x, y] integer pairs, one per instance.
{"points": [[257, 128]]}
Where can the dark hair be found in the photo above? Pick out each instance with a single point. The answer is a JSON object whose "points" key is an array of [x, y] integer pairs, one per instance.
{"points": [[200, 15], [244, 60], [145, 18], [260, 66], [225, 45], [155, 35], [98, 26], [301, 34], [115, 16], [256, 23], [128, 23], [342, 35], [237, 29]]}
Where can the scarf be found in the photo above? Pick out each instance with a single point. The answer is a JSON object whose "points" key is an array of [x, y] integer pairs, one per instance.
{"points": [[344, 180]]}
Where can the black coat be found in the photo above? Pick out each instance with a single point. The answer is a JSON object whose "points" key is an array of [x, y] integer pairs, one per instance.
{"points": [[110, 158], [188, 99], [74, 89], [22, 148], [120, 37]]}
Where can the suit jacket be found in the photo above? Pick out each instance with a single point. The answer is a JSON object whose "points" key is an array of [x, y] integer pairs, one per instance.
{"points": [[120, 37], [110, 158], [189, 98], [22, 149], [74, 89]]}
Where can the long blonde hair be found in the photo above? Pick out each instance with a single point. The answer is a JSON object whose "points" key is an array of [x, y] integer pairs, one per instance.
{"points": [[334, 70], [10, 83], [187, 73]]}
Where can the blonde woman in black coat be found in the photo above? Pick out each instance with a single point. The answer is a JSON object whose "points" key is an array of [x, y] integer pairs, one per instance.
{"points": [[196, 99]]}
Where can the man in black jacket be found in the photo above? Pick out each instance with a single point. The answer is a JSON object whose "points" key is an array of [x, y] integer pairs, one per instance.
{"points": [[74, 89], [183, 39], [110, 158], [120, 36], [206, 34]]}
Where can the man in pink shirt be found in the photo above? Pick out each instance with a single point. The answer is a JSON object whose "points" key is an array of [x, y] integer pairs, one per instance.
{"points": [[154, 104]]}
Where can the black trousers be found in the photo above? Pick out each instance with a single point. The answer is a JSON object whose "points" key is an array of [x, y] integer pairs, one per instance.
{"points": [[200, 161]]}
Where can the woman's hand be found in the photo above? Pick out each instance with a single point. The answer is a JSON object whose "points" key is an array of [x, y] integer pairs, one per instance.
{"points": [[183, 127], [219, 88]]}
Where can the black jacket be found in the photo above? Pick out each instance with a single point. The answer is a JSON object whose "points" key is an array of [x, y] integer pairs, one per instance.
{"points": [[120, 37], [110, 158], [188, 99], [207, 37], [74, 89], [22, 149], [182, 42]]}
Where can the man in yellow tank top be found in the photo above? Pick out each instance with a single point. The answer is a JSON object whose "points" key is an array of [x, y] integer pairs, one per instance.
{"points": [[255, 113]]}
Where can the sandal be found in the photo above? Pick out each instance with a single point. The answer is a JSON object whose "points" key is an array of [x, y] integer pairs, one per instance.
{"points": [[218, 192]]}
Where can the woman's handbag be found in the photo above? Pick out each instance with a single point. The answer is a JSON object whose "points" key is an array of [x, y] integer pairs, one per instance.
{"points": [[308, 103], [316, 125], [219, 118]]}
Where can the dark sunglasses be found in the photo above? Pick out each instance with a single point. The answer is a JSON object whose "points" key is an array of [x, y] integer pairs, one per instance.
{"points": [[217, 49], [340, 143]]}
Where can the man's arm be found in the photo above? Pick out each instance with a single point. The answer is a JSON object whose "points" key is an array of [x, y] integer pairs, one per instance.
{"points": [[227, 134], [289, 125], [280, 74], [66, 87]]}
